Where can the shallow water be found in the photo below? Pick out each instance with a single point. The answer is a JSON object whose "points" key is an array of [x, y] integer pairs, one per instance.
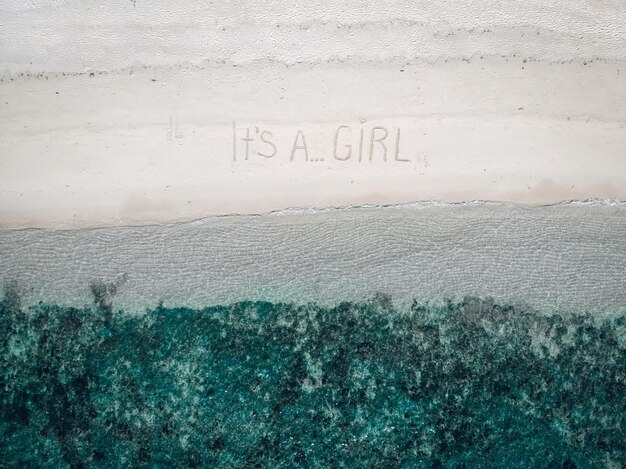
{"points": [[565, 257]]}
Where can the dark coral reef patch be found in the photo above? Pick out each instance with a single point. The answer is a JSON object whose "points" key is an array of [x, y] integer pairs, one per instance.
{"points": [[257, 384]]}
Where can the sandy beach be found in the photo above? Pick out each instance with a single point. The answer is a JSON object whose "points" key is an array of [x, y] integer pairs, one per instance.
{"points": [[279, 109], [176, 144]]}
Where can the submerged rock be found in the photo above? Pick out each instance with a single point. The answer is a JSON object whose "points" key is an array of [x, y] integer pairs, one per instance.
{"points": [[474, 384]]}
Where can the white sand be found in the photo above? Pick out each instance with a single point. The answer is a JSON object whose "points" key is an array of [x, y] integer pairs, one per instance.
{"points": [[508, 101]]}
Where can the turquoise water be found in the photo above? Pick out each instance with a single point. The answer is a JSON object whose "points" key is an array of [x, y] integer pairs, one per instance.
{"points": [[260, 384], [111, 357]]}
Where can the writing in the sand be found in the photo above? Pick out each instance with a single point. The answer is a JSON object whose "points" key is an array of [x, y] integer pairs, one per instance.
{"points": [[344, 143]]}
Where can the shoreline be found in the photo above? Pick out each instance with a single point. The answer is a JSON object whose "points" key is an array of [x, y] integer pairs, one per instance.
{"points": [[290, 211]]}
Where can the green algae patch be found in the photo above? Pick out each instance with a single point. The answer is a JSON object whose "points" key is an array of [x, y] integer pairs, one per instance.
{"points": [[257, 384]]}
